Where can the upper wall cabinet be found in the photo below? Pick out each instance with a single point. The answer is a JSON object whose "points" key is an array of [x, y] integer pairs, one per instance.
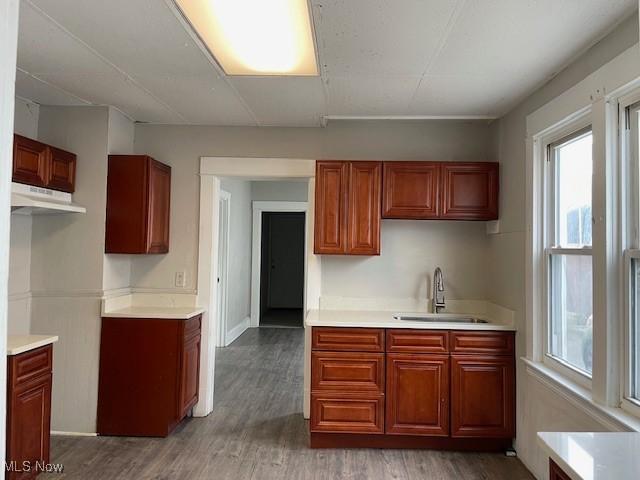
{"points": [[440, 190], [138, 205], [347, 210], [35, 163]]}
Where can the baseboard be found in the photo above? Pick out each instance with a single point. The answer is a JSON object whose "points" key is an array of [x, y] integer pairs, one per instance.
{"points": [[236, 331], [72, 434]]}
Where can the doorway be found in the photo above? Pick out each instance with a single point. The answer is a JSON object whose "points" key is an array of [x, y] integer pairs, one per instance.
{"points": [[282, 269], [224, 209]]}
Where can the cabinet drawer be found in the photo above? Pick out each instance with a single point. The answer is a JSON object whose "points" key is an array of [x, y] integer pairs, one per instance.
{"points": [[348, 339], [495, 343], [347, 414], [417, 341], [351, 372], [29, 365], [192, 326]]}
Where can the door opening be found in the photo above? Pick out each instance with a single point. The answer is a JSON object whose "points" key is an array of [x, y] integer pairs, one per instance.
{"points": [[282, 269], [224, 209]]}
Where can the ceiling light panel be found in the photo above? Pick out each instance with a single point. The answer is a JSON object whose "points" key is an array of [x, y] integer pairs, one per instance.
{"points": [[255, 37]]}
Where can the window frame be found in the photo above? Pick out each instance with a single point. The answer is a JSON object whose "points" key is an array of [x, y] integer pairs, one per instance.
{"points": [[557, 136]]}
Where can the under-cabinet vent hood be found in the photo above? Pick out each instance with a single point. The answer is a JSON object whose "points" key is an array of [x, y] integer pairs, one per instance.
{"points": [[29, 200]]}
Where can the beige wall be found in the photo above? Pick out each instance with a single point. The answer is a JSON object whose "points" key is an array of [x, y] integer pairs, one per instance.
{"points": [[539, 408], [181, 147]]}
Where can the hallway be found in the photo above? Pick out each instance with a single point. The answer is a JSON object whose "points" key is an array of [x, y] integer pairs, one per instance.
{"points": [[256, 431]]}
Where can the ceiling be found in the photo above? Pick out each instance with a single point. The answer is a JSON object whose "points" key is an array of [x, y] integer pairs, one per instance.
{"points": [[378, 58]]}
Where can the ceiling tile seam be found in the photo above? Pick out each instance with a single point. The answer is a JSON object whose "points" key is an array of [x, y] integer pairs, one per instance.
{"points": [[173, 8], [324, 78], [103, 58], [56, 87], [453, 19]]}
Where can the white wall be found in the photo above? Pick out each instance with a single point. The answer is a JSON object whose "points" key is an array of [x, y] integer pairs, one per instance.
{"points": [[539, 407], [279, 191], [25, 121], [239, 282], [8, 46]]}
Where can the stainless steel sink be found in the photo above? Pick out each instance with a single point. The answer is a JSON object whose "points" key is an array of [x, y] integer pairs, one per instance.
{"points": [[437, 318]]}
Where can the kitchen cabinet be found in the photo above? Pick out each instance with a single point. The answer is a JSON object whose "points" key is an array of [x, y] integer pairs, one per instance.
{"points": [[347, 208], [469, 191], [41, 165], [149, 374], [437, 388], [440, 190], [138, 205], [556, 473], [29, 380]]}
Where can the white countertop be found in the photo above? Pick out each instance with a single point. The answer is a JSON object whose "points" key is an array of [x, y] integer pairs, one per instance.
{"points": [[384, 319], [169, 313], [594, 456], [17, 344]]}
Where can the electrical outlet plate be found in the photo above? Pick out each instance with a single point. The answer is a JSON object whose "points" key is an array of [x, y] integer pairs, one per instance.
{"points": [[181, 279]]}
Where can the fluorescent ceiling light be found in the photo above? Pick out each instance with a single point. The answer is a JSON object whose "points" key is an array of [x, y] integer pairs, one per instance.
{"points": [[255, 37]]}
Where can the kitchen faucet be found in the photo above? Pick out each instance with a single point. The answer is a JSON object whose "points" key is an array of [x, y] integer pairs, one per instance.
{"points": [[438, 291]]}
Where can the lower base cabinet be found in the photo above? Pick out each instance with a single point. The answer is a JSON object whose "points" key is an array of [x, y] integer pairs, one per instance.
{"points": [[440, 389], [556, 473], [149, 371], [29, 379]]}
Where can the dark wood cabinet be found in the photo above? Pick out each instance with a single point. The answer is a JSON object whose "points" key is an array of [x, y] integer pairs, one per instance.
{"points": [[556, 473], [29, 380], [347, 208], [417, 394], [411, 190], [149, 375], [440, 190], [482, 396], [138, 205], [470, 191], [437, 388], [41, 165]]}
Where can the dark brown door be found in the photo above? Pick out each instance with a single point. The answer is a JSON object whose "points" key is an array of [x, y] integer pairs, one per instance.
{"points": [[159, 207], [417, 394], [365, 183], [470, 191], [30, 161], [190, 374], [411, 190], [62, 170], [330, 233], [29, 417], [482, 396]]}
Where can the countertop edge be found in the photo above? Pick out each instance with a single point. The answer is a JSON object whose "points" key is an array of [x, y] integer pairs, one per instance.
{"points": [[163, 313], [32, 345], [553, 455]]}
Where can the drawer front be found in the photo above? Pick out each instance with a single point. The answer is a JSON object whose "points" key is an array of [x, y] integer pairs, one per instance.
{"points": [[350, 372], [344, 414], [348, 339], [495, 343], [192, 326], [28, 365], [417, 341]]}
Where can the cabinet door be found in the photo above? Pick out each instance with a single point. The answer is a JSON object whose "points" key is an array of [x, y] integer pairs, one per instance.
{"points": [[365, 183], [30, 161], [344, 413], [62, 170], [347, 372], [417, 394], [411, 190], [556, 473], [159, 207], [482, 396], [189, 375], [470, 191], [28, 429], [330, 233]]}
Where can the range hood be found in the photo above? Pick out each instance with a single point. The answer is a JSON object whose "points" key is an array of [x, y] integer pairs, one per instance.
{"points": [[30, 200]]}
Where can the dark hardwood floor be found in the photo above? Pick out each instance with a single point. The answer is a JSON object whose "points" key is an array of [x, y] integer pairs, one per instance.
{"points": [[256, 431]]}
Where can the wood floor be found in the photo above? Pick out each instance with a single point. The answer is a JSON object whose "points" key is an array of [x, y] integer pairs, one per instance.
{"points": [[256, 431]]}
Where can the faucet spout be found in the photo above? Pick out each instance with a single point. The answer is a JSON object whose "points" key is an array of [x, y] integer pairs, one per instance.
{"points": [[438, 291]]}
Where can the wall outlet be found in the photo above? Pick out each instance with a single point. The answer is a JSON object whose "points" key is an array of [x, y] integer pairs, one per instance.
{"points": [[181, 279]]}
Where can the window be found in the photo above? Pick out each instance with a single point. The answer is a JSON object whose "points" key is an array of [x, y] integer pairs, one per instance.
{"points": [[633, 254], [569, 240]]}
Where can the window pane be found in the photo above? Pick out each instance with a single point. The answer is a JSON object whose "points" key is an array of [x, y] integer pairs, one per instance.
{"points": [[571, 329], [574, 168], [635, 330]]}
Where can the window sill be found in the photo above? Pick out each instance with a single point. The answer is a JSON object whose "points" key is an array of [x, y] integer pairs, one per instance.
{"points": [[612, 418]]}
